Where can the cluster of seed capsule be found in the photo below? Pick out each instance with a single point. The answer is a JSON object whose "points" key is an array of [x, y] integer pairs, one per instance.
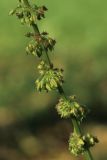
{"points": [[28, 14], [40, 43], [78, 144], [69, 107], [51, 78]]}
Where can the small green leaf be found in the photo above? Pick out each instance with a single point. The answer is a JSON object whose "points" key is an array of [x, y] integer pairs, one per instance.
{"points": [[12, 12]]}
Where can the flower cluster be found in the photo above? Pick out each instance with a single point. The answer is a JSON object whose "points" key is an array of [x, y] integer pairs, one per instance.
{"points": [[49, 79], [42, 42], [52, 78], [40, 12], [27, 14], [78, 144], [71, 108]]}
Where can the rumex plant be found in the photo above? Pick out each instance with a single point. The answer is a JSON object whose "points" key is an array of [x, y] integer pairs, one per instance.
{"points": [[51, 78]]}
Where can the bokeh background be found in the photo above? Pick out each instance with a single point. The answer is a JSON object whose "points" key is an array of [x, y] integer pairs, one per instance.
{"points": [[30, 128]]}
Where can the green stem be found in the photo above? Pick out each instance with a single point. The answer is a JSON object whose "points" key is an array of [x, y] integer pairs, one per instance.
{"points": [[35, 28], [76, 124], [88, 155], [61, 91], [50, 64]]}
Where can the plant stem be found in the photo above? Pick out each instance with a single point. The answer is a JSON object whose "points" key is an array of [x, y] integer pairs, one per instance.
{"points": [[77, 126], [75, 122], [88, 155], [35, 28], [49, 61]]}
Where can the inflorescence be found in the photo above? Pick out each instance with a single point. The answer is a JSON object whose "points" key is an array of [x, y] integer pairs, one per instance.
{"points": [[28, 14], [71, 108], [78, 144], [40, 43], [51, 78]]}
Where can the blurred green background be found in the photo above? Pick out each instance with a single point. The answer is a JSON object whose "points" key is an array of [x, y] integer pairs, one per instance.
{"points": [[30, 128]]}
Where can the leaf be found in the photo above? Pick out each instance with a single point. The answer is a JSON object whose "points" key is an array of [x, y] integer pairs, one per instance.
{"points": [[12, 12], [48, 87]]}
